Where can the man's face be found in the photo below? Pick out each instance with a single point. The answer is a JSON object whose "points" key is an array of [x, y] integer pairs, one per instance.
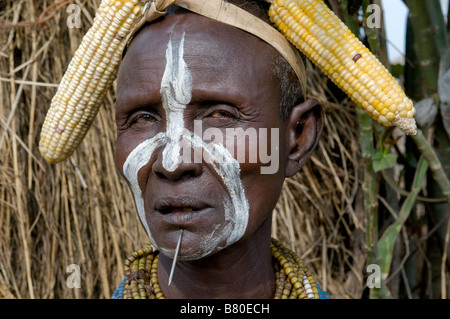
{"points": [[199, 133]]}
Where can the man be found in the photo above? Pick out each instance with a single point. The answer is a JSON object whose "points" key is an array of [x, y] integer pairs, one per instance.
{"points": [[191, 93]]}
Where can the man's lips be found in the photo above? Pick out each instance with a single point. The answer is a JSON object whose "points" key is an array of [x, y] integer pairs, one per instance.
{"points": [[179, 205], [167, 205]]}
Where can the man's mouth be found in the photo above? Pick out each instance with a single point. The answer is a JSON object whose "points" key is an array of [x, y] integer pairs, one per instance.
{"points": [[170, 210], [179, 205]]}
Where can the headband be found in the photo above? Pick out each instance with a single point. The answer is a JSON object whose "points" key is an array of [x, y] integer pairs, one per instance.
{"points": [[232, 15], [307, 24]]}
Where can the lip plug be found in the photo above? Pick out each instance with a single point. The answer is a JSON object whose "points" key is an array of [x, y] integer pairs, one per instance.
{"points": [[176, 256]]}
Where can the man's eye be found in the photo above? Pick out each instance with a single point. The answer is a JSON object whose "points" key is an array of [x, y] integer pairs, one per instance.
{"points": [[221, 114], [144, 118]]}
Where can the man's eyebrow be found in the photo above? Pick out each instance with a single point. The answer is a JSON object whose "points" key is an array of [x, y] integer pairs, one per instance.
{"points": [[133, 100]]}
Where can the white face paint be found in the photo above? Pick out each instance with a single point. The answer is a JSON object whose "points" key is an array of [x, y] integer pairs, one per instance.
{"points": [[176, 93], [135, 161]]}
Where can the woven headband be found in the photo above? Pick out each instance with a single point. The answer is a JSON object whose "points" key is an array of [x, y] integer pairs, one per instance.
{"points": [[307, 24]]}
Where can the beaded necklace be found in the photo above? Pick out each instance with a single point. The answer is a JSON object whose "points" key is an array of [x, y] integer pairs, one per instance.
{"points": [[293, 280]]}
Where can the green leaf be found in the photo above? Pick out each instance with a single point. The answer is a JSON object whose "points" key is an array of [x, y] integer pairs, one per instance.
{"points": [[386, 246], [383, 161], [387, 240], [397, 70]]}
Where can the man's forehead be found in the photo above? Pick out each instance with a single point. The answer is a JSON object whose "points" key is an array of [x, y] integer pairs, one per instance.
{"points": [[214, 52], [202, 35]]}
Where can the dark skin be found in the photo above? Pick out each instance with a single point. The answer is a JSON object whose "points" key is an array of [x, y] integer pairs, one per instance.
{"points": [[231, 88]]}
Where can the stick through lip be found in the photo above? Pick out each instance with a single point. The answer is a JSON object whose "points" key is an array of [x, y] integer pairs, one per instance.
{"points": [[175, 257]]}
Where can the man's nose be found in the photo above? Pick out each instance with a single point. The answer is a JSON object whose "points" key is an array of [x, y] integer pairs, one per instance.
{"points": [[183, 165]]}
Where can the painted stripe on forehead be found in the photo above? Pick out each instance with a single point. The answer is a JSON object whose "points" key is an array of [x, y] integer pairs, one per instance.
{"points": [[176, 94], [176, 82]]}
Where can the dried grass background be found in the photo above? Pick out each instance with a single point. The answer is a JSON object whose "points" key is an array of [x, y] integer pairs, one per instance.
{"points": [[81, 212]]}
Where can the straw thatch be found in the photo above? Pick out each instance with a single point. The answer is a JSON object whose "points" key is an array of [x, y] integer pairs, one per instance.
{"points": [[81, 212]]}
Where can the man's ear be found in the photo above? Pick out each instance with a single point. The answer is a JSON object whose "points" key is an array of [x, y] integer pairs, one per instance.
{"points": [[304, 125]]}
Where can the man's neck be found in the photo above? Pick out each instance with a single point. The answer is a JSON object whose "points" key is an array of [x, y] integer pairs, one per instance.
{"points": [[243, 270]]}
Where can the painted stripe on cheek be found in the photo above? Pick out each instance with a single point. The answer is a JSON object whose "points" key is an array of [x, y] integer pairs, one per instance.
{"points": [[137, 159]]}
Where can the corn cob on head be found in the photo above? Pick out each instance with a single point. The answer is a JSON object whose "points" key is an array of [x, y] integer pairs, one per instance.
{"points": [[308, 24], [325, 40], [87, 80]]}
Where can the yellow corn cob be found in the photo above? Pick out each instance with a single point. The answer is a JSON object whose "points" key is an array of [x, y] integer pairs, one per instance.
{"points": [[325, 39], [87, 80]]}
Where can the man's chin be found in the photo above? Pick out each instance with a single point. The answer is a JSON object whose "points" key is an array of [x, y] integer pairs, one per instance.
{"points": [[189, 254], [199, 250]]}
